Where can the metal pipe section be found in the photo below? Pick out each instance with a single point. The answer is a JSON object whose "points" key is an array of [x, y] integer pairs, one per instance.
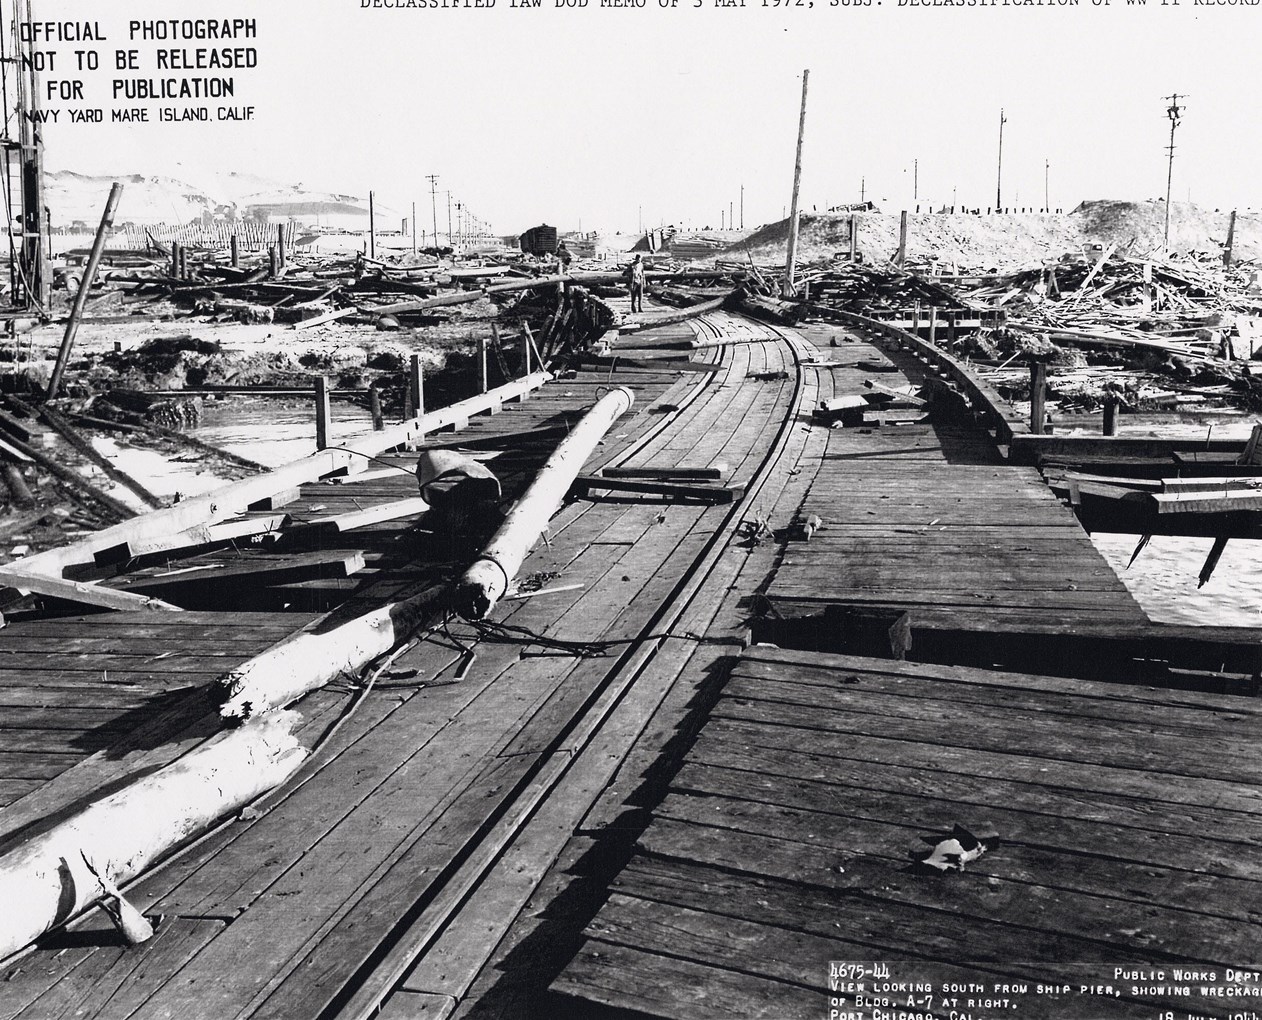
{"points": [[487, 579]]}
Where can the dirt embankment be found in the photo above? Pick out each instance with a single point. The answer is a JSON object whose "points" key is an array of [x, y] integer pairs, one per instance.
{"points": [[1008, 241]]}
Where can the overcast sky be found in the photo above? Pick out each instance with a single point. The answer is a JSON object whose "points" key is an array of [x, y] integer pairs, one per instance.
{"points": [[604, 116]]}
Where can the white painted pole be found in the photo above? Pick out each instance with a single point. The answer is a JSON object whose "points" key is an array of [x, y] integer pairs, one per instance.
{"points": [[60, 873], [485, 582]]}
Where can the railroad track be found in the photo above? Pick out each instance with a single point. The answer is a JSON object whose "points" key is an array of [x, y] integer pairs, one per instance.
{"points": [[591, 760]]}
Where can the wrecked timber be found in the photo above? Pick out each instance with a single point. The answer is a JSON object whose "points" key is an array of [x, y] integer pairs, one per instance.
{"points": [[679, 654]]}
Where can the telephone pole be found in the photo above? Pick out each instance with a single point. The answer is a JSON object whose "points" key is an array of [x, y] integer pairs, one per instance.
{"points": [[1174, 111], [790, 265], [433, 203], [999, 180]]}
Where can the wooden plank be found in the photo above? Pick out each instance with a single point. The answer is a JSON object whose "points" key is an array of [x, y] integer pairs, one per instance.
{"points": [[87, 594], [828, 669], [846, 861], [117, 989], [1126, 745], [785, 768], [888, 693], [883, 930], [1203, 875], [255, 572], [1011, 764], [616, 977]]}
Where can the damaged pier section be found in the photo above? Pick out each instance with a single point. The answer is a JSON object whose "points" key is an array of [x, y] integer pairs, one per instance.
{"points": [[641, 664]]}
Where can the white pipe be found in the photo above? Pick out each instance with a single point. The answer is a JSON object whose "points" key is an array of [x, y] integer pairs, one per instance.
{"points": [[485, 582]]}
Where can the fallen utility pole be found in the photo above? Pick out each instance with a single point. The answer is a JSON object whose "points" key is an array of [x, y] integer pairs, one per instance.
{"points": [[89, 275], [58, 874], [488, 578], [309, 660], [790, 266]]}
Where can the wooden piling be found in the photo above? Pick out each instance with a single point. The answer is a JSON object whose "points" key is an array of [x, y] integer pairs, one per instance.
{"points": [[854, 236], [183, 263], [89, 275], [1110, 415], [374, 408], [273, 262], [482, 380], [280, 244], [1231, 239], [234, 246], [933, 324], [902, 238], [416, 386], [323, 412], [175, 260], [1038, 396], [952, 325]]}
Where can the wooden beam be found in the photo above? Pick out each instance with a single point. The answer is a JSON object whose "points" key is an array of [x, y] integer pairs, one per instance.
{"points": [[255, 572], [76, 591], [201, 538], [584, 484]]}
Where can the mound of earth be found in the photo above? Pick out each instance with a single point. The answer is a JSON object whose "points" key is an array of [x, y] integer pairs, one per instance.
{"points": [[1008, 241]]}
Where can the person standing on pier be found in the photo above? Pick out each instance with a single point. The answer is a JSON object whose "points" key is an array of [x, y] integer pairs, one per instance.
{"points": [[635, 283]]}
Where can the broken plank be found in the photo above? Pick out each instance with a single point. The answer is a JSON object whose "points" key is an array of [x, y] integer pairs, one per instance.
{"points": [[75, 591]]}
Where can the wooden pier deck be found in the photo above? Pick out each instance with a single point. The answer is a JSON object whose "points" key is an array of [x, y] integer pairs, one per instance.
{"points": [[292, 910], [450, 847], [788, 840]]}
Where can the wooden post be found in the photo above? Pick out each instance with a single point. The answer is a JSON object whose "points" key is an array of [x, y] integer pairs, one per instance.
{"points": [[323, 411], [372, 227], [1147, 287], [482, 380], [273, 262], [183, 263], [234, 245], [413, 228], [19, 492], [933, 324], [1231, 239], [854, 236], [89, 275], [902, 238], [416, 386], [280, 244], [790, 265], [1110, 415], [175, 260], [952, 317], [374, 408], [1038, 396]]}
